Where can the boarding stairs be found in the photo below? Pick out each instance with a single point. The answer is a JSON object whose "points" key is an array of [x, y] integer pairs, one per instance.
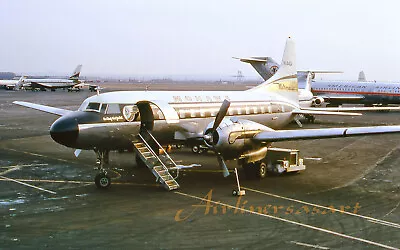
{"points": [[158, 164]]}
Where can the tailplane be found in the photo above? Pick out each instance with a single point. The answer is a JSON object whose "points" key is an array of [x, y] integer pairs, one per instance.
{"points": [[284, 81], [266, 67], [76, 73]]}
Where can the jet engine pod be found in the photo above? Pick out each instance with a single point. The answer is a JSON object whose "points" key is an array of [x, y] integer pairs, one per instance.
{"points": [[318, 101]]}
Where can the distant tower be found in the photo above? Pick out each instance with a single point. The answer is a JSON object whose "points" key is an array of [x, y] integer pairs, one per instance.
{"points": [[361, 77]]}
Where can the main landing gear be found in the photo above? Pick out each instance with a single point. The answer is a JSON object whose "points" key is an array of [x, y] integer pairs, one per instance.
{"points": [[102, 180], [255, 169]]}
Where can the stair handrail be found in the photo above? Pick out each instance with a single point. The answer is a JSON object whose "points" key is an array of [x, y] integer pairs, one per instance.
{"points": [[165, 152], [152, 152]]}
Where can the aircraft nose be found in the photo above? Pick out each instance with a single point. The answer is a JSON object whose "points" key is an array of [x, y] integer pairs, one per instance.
{"points": [[65, 131]]}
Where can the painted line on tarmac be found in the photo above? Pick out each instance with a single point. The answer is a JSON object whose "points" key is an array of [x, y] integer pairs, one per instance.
{"points": [[44, 156], [290, 221], [58, 159], [17, 167], [371, 219], [308, 245], [28, 185], [382, 223], [79, 182]]}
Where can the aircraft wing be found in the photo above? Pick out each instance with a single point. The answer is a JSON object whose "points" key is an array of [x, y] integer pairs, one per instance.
{"points": [[43, 84], [323, 112], [47, 109], [309, 134], [355, 109], [54, 85]]}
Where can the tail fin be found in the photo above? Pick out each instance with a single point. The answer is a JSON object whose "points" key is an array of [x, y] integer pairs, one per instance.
{"points": [[20, 83], [361, 77], [284, 81], [76, 73], [265, 66]]}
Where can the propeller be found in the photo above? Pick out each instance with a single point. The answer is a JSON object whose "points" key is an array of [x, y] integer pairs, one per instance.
{"points": [[209, 136], [77, 152]]}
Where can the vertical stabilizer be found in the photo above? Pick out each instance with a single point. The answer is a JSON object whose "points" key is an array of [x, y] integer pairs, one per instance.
{"points": [[20, 83], [76, 73], [284, 81]]}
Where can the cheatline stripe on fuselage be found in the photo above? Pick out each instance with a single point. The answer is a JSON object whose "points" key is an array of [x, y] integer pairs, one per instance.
{"points": [[196, 113], [355, 93]]}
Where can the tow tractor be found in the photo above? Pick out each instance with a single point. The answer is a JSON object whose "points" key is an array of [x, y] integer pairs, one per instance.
{"points": [[282, 160]]}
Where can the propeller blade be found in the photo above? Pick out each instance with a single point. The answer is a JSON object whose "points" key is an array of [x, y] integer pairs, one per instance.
{"points": [[223, 165], [221, 114], [77, 152]]}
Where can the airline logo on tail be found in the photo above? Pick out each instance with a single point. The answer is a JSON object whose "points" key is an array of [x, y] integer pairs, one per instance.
{"points": [[284, 81], [76, 72]]}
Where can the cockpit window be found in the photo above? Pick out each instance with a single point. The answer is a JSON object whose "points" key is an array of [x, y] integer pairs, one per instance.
{"points": [[93, 106]]}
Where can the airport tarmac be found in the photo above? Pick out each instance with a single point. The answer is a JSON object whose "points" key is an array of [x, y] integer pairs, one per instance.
{"points": [[347, 198]]}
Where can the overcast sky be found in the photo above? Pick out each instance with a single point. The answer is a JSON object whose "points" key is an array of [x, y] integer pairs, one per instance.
{"points": [[183, 37]]}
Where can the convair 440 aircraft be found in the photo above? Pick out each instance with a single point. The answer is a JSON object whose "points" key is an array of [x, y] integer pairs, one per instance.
{"points": [[242, 128]]}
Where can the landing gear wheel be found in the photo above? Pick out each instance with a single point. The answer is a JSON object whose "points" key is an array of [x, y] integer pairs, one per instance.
{"points": [[102, 180], [196, 149], [261, 170]]}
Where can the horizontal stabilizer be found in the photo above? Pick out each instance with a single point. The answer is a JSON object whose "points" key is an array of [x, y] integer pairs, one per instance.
{"points": [[47, 109], [252, 59], [309, 134]]}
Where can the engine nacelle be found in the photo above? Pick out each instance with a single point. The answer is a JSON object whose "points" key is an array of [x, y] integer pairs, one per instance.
{"points": [[318, 101], [233, 136]]}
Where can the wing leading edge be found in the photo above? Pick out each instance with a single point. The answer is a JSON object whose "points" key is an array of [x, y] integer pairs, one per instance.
{"points": [[47, 109], [308, 134]]}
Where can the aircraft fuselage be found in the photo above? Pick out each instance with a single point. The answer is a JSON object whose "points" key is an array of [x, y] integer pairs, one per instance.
{"points": [[111, 120]]}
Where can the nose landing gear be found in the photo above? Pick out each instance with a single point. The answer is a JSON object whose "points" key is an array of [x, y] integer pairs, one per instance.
{"points": [[102, 180]]}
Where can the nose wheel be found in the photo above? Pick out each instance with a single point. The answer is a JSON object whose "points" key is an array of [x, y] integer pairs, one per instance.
{"points": [[102, 180]]}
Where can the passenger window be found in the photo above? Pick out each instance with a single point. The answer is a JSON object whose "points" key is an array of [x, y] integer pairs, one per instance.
{"points": [[113, 108]]}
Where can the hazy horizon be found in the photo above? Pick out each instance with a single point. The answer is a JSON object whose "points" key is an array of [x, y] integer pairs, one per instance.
{"points": [[198, 38]]}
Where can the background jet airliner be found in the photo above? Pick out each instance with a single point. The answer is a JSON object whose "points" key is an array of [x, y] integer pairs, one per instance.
{"points": [[334, 93], [266, 67], [53, 84], [144, 120], [361, 91]]}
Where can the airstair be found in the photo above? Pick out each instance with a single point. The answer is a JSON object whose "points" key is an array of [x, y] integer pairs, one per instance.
{"points": [[158, 164]]}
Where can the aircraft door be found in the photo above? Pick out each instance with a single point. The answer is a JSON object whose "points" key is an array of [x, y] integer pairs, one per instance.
{"points": [[146, 116]]}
